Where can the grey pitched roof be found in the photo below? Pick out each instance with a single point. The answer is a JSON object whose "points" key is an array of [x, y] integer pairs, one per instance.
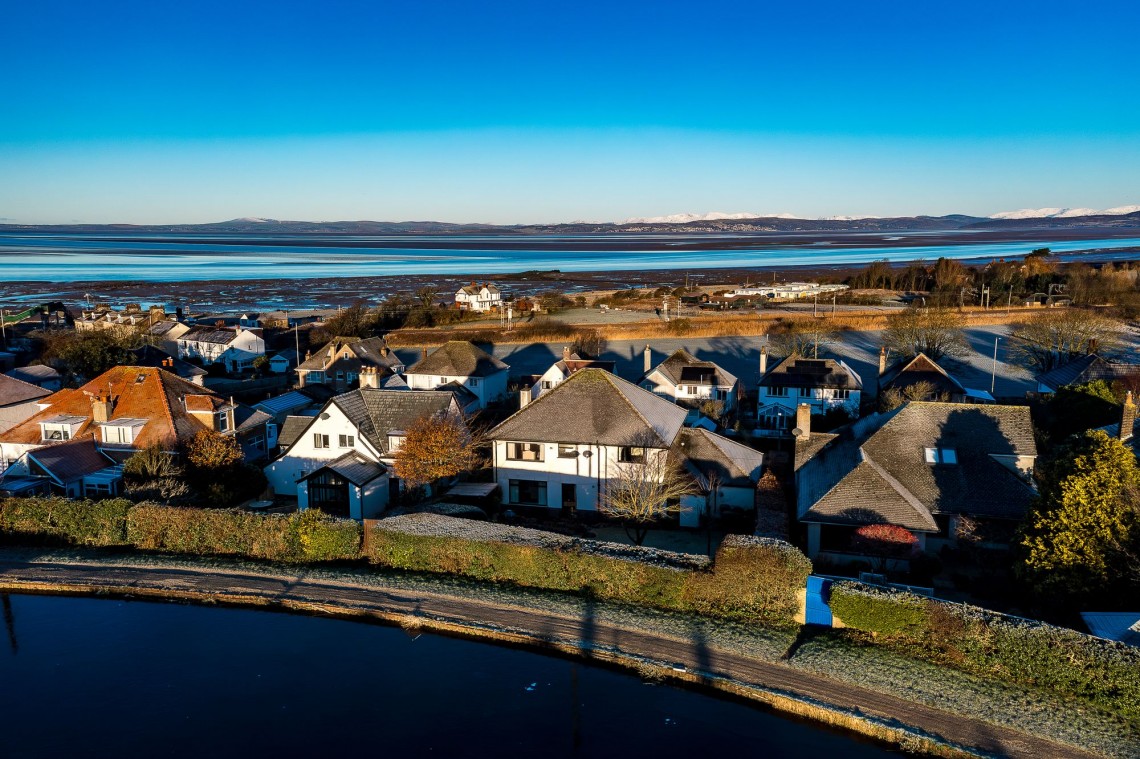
{"points": [[921, 368], [220, 335], [1088, 368], [148, 355], [70, 461], [376, 412], [459, 358], [33, 374], [884, 477], [290, 401], [593, 405], [353, 467], [683, 367], [703, 452], [372, 351], [246, 418], [14, 391], [292, 429], [795, 371]]}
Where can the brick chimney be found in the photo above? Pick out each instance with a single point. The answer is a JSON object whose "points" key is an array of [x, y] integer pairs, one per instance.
{"points": [[101, 408], [803, 422], [1093, 344], [565, 353], [1128, 417], [524, 396], [882, 361], [648, 358], [763, 360], [423, 352], [369, 376]]}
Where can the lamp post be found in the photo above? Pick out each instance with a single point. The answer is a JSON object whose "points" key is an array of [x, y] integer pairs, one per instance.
{"points": [[4, 327], [993, 373]]}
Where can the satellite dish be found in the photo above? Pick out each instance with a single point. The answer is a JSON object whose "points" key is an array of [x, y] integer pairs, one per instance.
{"points": [[797, 432], [325, 415]]}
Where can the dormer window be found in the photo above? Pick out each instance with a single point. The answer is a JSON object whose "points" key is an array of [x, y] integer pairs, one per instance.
{"points": [[121, 431], [941, 456], [60, 428], [223, 421]]}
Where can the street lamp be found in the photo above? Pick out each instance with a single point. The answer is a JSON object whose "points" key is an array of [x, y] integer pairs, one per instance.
{"points": [[993, 374]]}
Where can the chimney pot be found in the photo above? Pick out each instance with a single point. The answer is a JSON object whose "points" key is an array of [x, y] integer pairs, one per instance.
{"points": [[882, 361]]}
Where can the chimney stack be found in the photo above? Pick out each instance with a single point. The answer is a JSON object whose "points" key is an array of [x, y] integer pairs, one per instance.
{"points": [[1128, 417], [1093, 344], [882, 361], [524, 396], [369, 376], [803, 422], [101, 409], [648, 359], [423, 352], [565, 353], [763, 360]]}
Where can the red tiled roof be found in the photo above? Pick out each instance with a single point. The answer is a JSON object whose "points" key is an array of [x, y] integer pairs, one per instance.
{"points": [[146, 393]]}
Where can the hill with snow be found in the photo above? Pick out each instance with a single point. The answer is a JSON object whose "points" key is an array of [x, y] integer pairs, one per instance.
{"points": [[685, 218], [1063, 213]]}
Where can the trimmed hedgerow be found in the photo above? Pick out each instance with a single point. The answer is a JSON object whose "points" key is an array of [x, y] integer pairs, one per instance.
{"points": [[1026, 652], [63, 521]]}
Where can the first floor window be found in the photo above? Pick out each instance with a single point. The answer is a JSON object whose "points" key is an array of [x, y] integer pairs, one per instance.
{"points": [[320, 441], [347, 441], [632, 455], [524, 451], [567, 451], [777, 392], [547, 384], [528, 492]]}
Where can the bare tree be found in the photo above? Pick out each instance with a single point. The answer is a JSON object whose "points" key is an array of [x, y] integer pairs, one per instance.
{"points": [[802, 337], [426, 295], [643, 492], [937, 332], [1057, 336]]}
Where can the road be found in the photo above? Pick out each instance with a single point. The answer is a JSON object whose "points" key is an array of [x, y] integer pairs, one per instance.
{"points": [[540, 626]]}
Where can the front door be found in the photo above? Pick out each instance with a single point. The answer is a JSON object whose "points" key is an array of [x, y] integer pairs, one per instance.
{"points": [[569, 499]]}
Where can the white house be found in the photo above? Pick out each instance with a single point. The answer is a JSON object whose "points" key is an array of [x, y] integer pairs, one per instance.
{"points": [[339, 462], [18, 401], [724, 471], [565, 449], [234, 347], [685, 379], [788, 291], [822, 383], [563, 368], [339, 364], [461, 364], [475, 297]]}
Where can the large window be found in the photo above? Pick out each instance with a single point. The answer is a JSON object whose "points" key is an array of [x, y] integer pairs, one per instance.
{"points": [[777, 392], [346, 441], [632, 455], [524, 451], [527, 492], [320, 441]]}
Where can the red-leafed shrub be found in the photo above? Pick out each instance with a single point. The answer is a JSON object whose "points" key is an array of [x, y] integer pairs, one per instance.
{"points": [[887, 540]]}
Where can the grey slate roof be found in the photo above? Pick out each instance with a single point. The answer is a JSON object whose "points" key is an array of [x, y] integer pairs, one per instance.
{"points": [[70, 461], [292, 429], [702, 451], [354, 468], [593, 405], [459, 358], [246, 418], [33, 374], [15, 391], [376, 413], [884, 477], [921, 368], [372, 351], [1088, 368], [795, 371], [291, 401], [220, 335], [683, 367]]}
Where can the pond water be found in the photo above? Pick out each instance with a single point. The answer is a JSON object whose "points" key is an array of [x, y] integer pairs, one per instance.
{"points": [[97, 677]]}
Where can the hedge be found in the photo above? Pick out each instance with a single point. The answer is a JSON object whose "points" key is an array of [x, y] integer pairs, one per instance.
{"points": [[1102, 672], [63, 521]]}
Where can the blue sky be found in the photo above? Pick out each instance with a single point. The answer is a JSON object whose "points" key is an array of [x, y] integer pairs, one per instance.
{"points": [[526, 112]]}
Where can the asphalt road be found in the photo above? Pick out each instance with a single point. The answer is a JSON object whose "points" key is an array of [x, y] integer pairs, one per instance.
{"points": [[694, 654]]}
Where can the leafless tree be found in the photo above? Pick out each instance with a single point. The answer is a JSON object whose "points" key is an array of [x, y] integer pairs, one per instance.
{"points": [[1057, 336], [643, 492], [937, 332], [802, 337]]}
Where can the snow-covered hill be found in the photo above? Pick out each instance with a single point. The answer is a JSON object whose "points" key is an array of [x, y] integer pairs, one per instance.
{"points": [[684, 218], [1063, 213]]}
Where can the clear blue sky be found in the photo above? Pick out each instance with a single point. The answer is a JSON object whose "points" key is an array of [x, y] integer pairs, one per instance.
{"points": [[553, 111]]}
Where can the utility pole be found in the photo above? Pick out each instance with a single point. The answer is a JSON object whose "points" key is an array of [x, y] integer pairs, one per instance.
{"points": [[815, 305], [4, 328], [833, 306], [993, 374]]}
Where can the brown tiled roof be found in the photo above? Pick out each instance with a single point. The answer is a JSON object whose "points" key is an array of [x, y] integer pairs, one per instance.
{"points": [[14, 391], [139, 393], [459, 358], [68, 462]]}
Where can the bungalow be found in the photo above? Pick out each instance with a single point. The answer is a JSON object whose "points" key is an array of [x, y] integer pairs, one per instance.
{"points": [[563, 368], [823, 384], [475, 297], [923, 467], [689, 381], [1089, 368], [339, 363], [920, 375], [725, 473], [233, 347], [465, 365], [129, 408], [563, 450], [338, 461]]}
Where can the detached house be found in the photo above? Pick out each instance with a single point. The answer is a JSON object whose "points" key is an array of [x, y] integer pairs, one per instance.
{"points": [[560, 370], [689, 381], [338, 461], [121, 411], [18, 401], [1089, 368], [563, 450], [233, 347], [338, 364], [921, 375], [463, 366], [823, 384], [475, 297], [923, 467]]}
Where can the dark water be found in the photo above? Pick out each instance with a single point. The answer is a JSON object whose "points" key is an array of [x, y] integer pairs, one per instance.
{"points": [[87, 677], [158, 258]]}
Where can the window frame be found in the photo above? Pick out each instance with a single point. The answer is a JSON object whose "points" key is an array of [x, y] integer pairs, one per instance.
{"points": [[516, 451]]}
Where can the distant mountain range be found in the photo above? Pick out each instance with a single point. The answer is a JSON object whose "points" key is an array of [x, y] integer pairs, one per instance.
{"points": [[721, 223]]}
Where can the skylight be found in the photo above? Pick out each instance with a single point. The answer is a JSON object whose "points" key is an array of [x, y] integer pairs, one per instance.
{"points": [[941, 456]]}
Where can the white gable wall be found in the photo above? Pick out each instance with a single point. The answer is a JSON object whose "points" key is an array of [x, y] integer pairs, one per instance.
{"points": [[304, 457]]}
